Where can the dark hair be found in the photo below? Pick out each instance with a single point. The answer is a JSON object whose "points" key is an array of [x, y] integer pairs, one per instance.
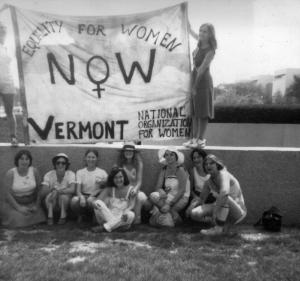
{"points": [[216, 160], [122, 160], [115, 170], [54, 160], [200, 151], [93, 151], [20, 154], [212, 41]]}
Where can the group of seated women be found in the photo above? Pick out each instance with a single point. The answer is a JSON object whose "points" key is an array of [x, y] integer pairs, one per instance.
{"points": [[207, 193]]}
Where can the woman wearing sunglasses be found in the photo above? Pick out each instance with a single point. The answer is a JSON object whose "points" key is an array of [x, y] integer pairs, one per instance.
{"points": [[60, 183]]}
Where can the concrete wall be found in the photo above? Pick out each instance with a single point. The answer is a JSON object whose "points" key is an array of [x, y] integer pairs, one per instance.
{"points": [[267, 176], [246, 134]]}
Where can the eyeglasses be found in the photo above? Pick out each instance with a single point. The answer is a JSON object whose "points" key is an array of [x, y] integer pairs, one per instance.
{"points": [[61, 163], [169, 154]]}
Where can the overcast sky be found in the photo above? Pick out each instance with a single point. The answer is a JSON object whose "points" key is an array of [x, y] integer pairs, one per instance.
{"points": [[254, 36]]}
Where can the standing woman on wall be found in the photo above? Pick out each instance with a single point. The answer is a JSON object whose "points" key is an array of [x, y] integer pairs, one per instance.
{"points": [[202, 85], [7, 89]]}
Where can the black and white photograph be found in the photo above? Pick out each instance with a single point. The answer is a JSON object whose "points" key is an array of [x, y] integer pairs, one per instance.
{"points": [[149, 140]]}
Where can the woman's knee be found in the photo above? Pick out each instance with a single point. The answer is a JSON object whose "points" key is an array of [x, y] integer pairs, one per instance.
{"points": [[64, 199], [74, 204], [130, 217], [141, 197], [197, 213], [99, 204], [154, 197], [48, 201], [75, 200]]}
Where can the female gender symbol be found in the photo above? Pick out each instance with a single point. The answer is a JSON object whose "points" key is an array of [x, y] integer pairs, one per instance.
{"points": [[98, 83]]}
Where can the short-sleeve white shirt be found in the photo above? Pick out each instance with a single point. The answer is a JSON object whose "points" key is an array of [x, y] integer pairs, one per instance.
{"points": [[50, 179], [88, 179]]}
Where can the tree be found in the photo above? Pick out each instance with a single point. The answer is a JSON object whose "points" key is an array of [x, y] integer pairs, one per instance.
{"points": [[293, 92]]}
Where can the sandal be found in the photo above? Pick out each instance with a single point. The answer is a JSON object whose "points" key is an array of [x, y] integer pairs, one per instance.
{"points": [[14, 141]]}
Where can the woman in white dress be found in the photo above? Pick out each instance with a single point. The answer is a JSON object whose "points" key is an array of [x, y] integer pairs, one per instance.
{"points": [[114, 207], [172, 190], [22, 206]]}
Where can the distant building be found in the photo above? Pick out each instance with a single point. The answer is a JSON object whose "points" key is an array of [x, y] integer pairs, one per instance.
{"points": [[262, 80], [283, 79]]}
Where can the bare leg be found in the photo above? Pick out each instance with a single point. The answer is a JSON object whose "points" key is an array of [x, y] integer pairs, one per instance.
{"points": [[140, 201], [75, 205], [200, 212], [195, 127], [202, 128], [50, 211], [156, 199], [8, 101], [63, 202]]}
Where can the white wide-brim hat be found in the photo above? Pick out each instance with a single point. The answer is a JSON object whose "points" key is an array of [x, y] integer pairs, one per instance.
{"points": [[161, 154]]}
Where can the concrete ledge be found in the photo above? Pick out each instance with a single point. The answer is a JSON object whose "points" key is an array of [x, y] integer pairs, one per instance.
{"points": [[268, 176]]}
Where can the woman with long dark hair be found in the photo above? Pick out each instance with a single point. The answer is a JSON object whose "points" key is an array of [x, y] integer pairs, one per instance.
{"points": [[202, 108], [113, 208]]}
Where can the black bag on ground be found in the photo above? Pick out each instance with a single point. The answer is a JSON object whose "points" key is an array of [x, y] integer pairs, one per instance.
{"points": [[271, 219]]}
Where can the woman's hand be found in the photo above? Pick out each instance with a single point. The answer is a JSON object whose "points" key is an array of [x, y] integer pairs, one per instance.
{"points": [[100, 182], [33, 209], [124, 217], [165, 209], [162, 194], [53, 195], [133, 192], [24, 210]]}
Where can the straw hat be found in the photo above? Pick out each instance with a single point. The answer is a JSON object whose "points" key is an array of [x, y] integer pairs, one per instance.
{"points": [[128, 146], [161, 154], [215, 159]]}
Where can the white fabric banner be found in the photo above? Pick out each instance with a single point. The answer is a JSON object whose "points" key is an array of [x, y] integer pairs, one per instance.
{"points": [[91, 79]]}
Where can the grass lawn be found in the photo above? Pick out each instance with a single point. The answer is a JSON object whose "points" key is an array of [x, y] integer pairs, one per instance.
{"points": [[145, 253]]}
